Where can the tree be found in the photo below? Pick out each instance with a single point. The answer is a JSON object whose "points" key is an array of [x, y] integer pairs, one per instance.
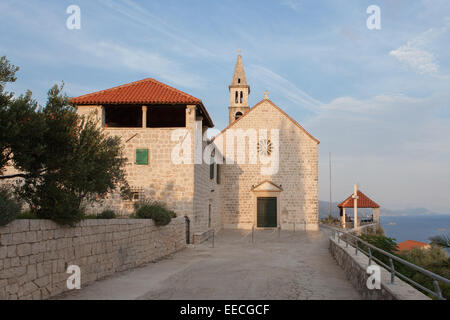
{"points": [[64, 160], [442, 240]]}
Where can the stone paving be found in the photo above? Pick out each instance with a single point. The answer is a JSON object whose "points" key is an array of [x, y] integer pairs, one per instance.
{"points": [[286, 266]]}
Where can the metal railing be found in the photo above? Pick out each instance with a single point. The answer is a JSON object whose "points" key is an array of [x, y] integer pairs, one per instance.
{"points": [[436, 278]]}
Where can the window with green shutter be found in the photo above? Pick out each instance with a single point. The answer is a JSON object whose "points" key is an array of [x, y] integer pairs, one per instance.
{"points": [[218, 173], [211, 169], [142, 156]]}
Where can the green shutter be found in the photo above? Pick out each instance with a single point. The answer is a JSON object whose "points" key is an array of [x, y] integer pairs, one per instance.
{"points": [[211, 169], [142, 156], [218, 174]]}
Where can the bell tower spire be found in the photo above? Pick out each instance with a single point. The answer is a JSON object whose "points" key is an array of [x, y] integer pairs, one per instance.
{"points": [[239, 91]]}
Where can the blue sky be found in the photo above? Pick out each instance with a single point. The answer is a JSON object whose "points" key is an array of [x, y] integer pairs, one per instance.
{"points": [[378, 100]]}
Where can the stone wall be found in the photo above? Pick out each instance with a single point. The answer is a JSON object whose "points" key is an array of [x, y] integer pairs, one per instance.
{"points": [[355, 268], [35, 254]]}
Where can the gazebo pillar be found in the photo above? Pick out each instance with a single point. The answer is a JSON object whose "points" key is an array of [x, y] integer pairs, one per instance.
{"points": [[344, 218], [376, 215]]}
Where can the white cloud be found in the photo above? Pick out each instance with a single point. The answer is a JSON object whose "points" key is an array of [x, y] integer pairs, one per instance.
{"points": [[146, 62], [282, 86], [417, 53], [293, 4]]}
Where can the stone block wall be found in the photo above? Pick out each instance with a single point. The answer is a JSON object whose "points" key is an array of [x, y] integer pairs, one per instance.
{"points": [[35, 254]]}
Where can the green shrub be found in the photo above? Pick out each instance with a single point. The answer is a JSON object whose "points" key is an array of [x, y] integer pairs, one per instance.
{"points": [[59, 205], [27, 215], [9, 207], [162, 218], [155, 210], [107, 214], [90, 216]]}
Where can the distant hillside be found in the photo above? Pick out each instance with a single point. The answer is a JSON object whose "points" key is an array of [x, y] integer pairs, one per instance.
{"points": [[406, 212], [324, 211]]}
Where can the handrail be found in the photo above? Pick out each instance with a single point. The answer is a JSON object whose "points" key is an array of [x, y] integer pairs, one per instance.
{"points": [[436, 278]]}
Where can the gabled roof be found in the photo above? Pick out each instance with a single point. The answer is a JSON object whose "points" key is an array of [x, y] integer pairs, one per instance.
{"points": [[266, 185], [276, 107], [147, 92], [363, 202], [411, 244]]}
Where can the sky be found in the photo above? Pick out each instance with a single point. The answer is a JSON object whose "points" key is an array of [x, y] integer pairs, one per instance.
{"points": [[378, 100]]}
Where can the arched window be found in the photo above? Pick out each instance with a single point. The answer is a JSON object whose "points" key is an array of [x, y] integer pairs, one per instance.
{"points": [[239, 80], [236, 97], [242, 97], [237, 115]]}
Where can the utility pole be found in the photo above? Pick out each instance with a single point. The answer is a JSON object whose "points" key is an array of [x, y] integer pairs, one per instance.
{"points": [[355, 206]]}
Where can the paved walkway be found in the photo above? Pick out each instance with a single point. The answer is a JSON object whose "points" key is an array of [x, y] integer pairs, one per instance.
{"points": [[294, 266]]}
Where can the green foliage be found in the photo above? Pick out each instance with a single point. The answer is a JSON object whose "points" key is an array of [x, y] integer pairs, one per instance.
{"points": [[9, 207], [27, 215], [330, 220], [64, 160], [435, 260], [162, 218], [155, 210], [381, 242], [442, 240], [107, 214]]}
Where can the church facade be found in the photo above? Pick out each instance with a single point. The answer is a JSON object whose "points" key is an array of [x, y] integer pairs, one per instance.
{"points": [[263, 168]]}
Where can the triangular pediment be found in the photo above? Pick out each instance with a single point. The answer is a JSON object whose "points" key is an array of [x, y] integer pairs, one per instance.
{"points": [[267, 186]]}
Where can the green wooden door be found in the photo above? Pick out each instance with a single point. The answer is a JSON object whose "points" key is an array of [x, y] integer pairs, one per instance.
{"points": [[267, 213]]}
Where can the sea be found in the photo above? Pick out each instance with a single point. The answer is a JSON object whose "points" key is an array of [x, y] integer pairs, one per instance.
{"points": [[418, 228]]}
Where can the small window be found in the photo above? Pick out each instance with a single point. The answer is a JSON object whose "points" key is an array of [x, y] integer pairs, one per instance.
{"points": [[237, 115], [239, 80], [242, 97], [236, 97], [142, 156], [135, 196], [265, 147]]}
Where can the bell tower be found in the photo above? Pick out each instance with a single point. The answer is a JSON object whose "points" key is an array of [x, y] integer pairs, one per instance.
{"points": [[239, 91]]}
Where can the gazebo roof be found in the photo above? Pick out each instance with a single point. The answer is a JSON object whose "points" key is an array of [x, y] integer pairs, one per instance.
{"points": [[363, 202]]}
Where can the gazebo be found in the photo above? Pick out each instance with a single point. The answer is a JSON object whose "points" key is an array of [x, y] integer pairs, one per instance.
{"points": [[355, 201]]}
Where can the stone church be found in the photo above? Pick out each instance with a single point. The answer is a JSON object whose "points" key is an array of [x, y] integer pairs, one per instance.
{"points": [[262, 170]]}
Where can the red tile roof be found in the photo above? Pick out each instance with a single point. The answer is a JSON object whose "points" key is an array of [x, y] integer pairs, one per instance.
{"points": [[411, 244], [147, 91], [363, 202]]}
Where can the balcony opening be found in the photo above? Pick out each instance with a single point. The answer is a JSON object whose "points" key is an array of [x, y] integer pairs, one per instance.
{"points": [[166, 116], [123, 116]]}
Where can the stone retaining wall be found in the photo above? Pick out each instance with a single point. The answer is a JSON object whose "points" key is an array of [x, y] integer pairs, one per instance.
{"points": [[355, 268], [35, 254]]}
